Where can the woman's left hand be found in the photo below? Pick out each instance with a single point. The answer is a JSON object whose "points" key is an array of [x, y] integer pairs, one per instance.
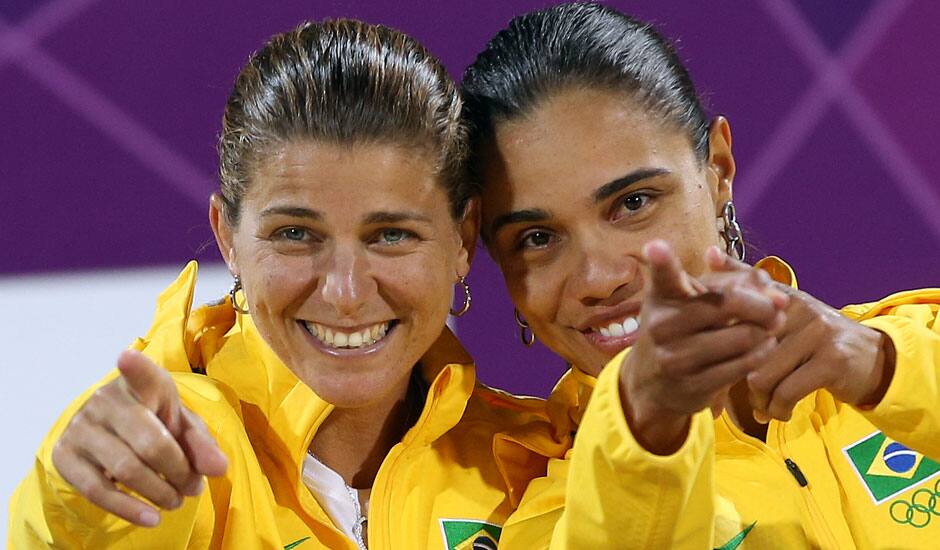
{"points": [[818, 348]]}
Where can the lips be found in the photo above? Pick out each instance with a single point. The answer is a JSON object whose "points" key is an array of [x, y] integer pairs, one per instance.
{"points": [[338, 338], [613, 336]]}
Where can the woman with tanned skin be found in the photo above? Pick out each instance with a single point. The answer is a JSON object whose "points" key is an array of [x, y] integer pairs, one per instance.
{"points": [[606, 197], [325, 399]]}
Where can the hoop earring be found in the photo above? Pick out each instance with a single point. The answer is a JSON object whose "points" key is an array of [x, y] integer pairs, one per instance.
{"points": [[525, 333], [466, 299], [731, 233], [236, 286]]}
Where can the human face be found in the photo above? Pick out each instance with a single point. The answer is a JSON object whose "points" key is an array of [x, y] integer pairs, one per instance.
{"points": [[348, 255], [573, 192]]}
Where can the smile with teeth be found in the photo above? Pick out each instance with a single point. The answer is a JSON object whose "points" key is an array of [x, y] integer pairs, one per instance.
{"points": [[336, 338], [618, 329]]}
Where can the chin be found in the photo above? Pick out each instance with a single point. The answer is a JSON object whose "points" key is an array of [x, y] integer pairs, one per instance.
{"points": [[351, 390]]}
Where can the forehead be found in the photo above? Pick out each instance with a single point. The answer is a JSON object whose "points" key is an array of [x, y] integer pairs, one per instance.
{"points": [[343, 178], [574, 142]]}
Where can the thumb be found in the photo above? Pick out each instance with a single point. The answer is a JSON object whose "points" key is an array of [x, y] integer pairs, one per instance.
{"points": [[718, 261], [151, 386], [667, 278], [201, 449]]}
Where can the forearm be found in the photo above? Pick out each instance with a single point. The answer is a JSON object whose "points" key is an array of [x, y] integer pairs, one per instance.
{"points": [[618, 491]]}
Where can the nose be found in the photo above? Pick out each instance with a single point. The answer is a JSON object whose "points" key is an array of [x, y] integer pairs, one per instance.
{"points": [[347, 282], [605, 274]]}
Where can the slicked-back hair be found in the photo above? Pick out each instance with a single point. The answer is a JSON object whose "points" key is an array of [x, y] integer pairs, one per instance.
{"points": [[341, 82], [578, 45]]}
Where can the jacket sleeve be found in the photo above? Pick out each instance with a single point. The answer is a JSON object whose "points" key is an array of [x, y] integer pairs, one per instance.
{"points": [[47, 512], [908, 413], [618, 494]]}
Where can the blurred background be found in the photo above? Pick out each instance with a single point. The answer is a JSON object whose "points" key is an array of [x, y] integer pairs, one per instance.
{"points": [[110, 109]]}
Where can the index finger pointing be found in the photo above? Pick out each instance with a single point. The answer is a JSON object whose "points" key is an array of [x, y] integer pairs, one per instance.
{"points": [[668, 279], [152, 386]]}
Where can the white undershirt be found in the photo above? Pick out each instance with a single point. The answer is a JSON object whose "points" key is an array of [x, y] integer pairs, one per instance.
{"points": [[339, 501]]}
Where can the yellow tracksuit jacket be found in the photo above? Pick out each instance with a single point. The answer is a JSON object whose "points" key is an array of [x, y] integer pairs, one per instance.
{"points": [[832, 477], [439, 488]]}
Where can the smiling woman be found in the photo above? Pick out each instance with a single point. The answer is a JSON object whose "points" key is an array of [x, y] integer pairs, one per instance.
{"points": [[325, 398], [712, 400]]}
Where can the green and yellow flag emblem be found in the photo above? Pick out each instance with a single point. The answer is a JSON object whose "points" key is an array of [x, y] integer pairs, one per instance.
{"points": [[888, 468], [469, 534]]}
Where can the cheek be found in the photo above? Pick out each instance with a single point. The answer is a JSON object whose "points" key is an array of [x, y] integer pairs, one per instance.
{"points": [[420, 283], [273, 282]]}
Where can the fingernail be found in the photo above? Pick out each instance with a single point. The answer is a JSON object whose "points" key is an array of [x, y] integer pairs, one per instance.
{"points": [[197, 487], [761, 417], [149, 518]]}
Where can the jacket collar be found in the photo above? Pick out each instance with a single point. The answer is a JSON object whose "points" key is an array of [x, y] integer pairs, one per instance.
{"points": [[275, 405]]}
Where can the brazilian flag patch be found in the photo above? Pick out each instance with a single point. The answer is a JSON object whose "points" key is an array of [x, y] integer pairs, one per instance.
{"points": [[469, 534], [888, 468]]}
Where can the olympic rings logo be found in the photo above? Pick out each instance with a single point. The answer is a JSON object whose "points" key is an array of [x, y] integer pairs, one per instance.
{"points": [[920, 510]]}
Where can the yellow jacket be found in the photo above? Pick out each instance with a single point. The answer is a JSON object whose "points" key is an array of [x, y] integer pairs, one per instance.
{"points": [[856, 479], [438, 488]]}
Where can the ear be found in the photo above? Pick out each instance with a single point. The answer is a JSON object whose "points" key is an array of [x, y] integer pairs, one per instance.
{"points": [[469, 230], [223, 231], [720, 162]]}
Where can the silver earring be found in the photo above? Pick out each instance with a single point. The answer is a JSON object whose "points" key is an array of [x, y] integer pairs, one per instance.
{"points": [[525, 333], [466, 299], [731, 233], [236, 286]]}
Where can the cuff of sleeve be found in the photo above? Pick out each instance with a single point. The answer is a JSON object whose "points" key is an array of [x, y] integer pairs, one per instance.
{"points": [[605, 414], [913, 390]]}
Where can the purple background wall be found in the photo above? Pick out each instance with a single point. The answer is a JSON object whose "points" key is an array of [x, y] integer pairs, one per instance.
{"points": [[109, 111]]}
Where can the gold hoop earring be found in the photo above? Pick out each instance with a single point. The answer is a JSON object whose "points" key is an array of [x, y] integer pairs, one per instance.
{"points": [[466, 299], [731, 233], [525, 333], [236, 286]]}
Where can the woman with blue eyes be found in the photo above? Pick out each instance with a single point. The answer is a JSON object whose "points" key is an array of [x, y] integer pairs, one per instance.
{"points": [[325, 399], [727, 409]]}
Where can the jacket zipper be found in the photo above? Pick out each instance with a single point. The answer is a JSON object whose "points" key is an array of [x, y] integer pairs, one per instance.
{"points": [[797, 472], [822, 526], [377, 525]]}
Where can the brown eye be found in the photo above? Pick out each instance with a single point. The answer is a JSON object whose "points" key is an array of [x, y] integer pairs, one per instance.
{"points": [[635, 202], [536, 239]]}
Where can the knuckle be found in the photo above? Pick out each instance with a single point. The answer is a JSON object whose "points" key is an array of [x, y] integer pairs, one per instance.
{"points": [[670, 363], [153, 448], [755, 335], [127, 468], [91, 488]]}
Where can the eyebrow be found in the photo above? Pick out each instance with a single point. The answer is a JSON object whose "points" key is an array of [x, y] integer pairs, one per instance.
{"points": [[518, 216], [611, 188], [395, 217], [292, 211]]}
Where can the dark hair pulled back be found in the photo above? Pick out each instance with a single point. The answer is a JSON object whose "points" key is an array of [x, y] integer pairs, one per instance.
{"points": [[577, 45], [341, 81]]}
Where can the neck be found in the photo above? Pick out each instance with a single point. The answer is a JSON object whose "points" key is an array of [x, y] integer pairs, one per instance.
{"points": [[742, 414], [354, 442]]}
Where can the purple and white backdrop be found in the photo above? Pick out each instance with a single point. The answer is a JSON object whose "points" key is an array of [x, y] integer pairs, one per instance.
{"points": [[109, 112]]}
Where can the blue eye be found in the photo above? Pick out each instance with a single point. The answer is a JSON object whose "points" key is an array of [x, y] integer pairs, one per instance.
{"points": [[393, 236], [293, 233]]}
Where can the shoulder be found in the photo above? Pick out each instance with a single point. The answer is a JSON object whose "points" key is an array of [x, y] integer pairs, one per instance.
{"points": [[504, 409]]}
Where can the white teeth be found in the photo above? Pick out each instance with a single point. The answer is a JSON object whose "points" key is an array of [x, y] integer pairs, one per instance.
{"points": [[358, 339], [618, 330], [630, 324]]}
